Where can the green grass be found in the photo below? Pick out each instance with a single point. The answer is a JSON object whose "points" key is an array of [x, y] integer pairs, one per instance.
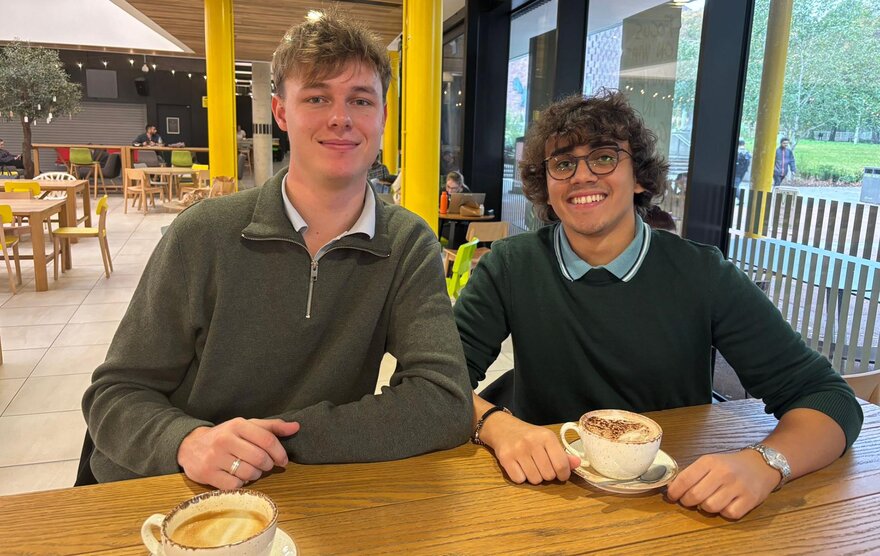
{"points": [[828, 161]]}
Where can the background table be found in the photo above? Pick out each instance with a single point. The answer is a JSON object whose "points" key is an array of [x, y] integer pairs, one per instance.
{"points": [[457, 501]]}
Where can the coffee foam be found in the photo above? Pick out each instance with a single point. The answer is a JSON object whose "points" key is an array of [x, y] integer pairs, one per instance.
{"points": [[219, 527], [620, 426]]}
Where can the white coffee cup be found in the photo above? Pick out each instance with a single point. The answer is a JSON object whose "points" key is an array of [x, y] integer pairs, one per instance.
{"points": [[217, 523], [626, 449]]}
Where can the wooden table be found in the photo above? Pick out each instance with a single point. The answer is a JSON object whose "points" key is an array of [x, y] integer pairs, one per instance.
{"points": [[38, 211], [453, 219], [458, 502], [173, 173], [71, 188]]}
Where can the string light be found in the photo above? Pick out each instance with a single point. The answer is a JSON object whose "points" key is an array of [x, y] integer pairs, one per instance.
{"points": [[104, 62]]}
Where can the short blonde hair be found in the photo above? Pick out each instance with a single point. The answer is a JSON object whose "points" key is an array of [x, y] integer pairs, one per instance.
{"points": [[321, 47]]}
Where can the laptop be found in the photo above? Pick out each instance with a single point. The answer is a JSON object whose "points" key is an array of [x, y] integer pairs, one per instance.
{"points": [[465, 199]]}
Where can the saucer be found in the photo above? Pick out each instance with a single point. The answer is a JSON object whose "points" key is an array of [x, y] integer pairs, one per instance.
{"points": [[282, 544], [633, 487]]}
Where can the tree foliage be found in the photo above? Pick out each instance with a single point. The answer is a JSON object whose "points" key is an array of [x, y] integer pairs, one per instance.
{"points": [[34, 85]]}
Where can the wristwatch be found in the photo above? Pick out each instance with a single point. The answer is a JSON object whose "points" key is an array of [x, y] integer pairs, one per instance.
{"points": [[775, 460], [475, 438]]}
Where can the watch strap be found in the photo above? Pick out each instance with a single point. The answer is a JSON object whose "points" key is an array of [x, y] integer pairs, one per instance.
{"points": [[475, 438], [778, 462]]}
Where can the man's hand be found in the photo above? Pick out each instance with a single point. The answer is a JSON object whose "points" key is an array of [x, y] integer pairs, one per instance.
{"points": [[728, 484], [527, 452], [206, 454]]}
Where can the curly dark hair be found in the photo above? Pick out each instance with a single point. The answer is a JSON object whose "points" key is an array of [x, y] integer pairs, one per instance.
{"points": [[596, 120]]}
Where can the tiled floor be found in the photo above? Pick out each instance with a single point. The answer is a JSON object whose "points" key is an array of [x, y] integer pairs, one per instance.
{"points": [[52, 341]]}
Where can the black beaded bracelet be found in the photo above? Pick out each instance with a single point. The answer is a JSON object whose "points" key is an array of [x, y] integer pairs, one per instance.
{"points": [[476, 436]]}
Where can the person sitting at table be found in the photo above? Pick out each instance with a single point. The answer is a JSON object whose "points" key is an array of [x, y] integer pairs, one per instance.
{"points": [[9, 159], [378, 174], [265, 347], [455, 183], [606, 313], [150, 137]]}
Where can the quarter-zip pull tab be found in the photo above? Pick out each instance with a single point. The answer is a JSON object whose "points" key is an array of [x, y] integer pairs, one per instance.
{"points": [[313, 277]]}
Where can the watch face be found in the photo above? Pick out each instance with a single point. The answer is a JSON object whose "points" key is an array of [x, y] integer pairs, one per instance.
{"points": [[775, 458]]}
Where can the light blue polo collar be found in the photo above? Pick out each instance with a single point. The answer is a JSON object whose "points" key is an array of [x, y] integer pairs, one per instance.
{"points": [[624, 266]]}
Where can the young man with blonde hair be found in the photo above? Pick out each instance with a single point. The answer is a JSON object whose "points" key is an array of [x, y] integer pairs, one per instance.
{"points": [[256, 333], [607, 313]]}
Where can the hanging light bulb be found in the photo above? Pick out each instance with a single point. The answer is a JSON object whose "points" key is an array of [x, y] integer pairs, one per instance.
{"points": [[145, 68], [104, 62], [131, 62], [172, 72], [39, 107], [54, 99], [189, 75], [154, 67], [25, 119]]}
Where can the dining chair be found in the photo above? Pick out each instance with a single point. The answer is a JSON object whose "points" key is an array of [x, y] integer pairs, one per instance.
{"points": [[201, 181], [461, 268], [150, 158], [181, 159], [56, 176], [137, 185], [865, 385], [8, 243], [487, 232], [80, 156], [62, 157], [31, 187], [64, 234]]}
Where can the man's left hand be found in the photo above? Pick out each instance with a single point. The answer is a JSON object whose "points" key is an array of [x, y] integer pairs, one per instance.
{"points": [[731, 485]]}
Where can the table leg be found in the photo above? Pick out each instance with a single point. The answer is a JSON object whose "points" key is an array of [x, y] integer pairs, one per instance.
{"points": [[41, 280], [70, 210], [87, 207]]}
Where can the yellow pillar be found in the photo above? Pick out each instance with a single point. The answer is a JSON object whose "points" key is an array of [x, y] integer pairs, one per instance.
{"points": [[770, 103], [422, 44], [220, 63], [390, 141]]}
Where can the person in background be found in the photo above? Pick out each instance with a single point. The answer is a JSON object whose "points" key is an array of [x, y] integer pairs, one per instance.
{"points": [[606, 313], [743, 161], [455, 183], [241, 133], [679, 187], [9, 159], [784, 162], [149, 138], [265, 347], [379, 172]]}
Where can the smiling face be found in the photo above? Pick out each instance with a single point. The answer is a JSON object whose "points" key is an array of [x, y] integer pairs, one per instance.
{"points": [[335, 125], [597, 212]]}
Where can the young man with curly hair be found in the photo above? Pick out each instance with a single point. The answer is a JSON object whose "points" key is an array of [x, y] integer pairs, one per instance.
{"points": [[607, 313], [256, 333]]}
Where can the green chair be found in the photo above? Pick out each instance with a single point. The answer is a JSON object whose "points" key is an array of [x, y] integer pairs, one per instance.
{"points": [[461, 268], [80, 156], [181, 159]]}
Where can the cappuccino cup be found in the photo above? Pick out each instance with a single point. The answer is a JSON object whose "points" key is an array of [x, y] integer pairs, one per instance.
{"points": [[616, 443], [217, 523]]}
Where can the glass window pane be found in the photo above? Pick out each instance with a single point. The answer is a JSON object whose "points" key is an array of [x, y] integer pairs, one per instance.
{"points": [[649, 51], [531, 70], [452, 107]]}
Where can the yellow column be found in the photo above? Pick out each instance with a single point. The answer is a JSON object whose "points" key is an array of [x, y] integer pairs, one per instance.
{"points": [[770, 102], [220, 63], [390, 141], [422, 44]]}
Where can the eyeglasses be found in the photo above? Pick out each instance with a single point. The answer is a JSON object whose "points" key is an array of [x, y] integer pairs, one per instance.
{"points": [[601, 162]]}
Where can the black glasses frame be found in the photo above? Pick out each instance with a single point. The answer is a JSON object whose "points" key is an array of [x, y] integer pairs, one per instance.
{"points": [[586, 160]]}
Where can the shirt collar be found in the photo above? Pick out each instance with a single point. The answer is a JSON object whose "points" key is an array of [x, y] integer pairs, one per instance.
{"points": [[365, 224], [624, 266]]}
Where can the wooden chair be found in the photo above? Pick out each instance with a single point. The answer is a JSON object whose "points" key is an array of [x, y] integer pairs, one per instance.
{"points": [[8, 243], [201, 182], [461, 268], [865, 385], [138, 186], [221, 186], [80, 156], [487, 232], [64, 234]]}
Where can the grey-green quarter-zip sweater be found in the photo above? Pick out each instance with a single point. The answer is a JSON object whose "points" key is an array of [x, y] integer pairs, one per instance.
{"points": [[217, 329]]}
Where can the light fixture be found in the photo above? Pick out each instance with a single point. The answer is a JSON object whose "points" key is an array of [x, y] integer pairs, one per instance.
{"points": [[104, 62], [189, 75], [145, 68], [154, 66], [79, 65], [314, 15], [172, 72], [205, 76], [131, 62]]}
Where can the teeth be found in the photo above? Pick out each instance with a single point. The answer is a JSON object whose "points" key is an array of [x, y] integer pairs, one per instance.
{"points": [[588, 199]]}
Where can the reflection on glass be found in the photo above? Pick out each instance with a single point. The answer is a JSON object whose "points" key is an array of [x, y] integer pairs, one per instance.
{"points": [[649, 51], [531, 70], [452, 107]]}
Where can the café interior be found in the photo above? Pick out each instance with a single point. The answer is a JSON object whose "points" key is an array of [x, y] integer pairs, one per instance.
{"points": [[469, 77]]}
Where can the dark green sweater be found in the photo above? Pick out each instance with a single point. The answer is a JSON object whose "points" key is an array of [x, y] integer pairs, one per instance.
{"points": [[641, 345], [217, 329]]}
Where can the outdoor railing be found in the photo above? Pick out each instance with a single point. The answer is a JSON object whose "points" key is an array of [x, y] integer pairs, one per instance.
{"points": [[818, 261]]}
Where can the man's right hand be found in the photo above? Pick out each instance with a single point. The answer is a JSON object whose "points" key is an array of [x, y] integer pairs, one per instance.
{"points": [[207, 453], [527, 452]]}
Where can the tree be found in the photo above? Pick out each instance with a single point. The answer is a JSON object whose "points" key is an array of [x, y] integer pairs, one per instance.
{"points": [[34, 85]]}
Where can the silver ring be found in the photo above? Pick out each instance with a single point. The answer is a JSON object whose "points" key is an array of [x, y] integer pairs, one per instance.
{"points": [[234, 467]]}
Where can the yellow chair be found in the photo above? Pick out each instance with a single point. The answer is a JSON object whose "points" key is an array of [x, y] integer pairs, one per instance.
{"points": [[461, 268], [9, 242], [64, 234], [31, 187]]}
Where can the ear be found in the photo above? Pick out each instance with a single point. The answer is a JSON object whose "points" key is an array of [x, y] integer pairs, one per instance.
{"points": [[638, 188], [279, 112]]}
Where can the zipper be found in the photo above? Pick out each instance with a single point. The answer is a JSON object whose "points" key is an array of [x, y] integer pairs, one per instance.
{"points": [[313, 266], [313, 277]]}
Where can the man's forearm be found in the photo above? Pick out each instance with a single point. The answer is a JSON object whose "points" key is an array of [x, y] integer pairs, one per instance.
{"points": [[808, 439]]}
